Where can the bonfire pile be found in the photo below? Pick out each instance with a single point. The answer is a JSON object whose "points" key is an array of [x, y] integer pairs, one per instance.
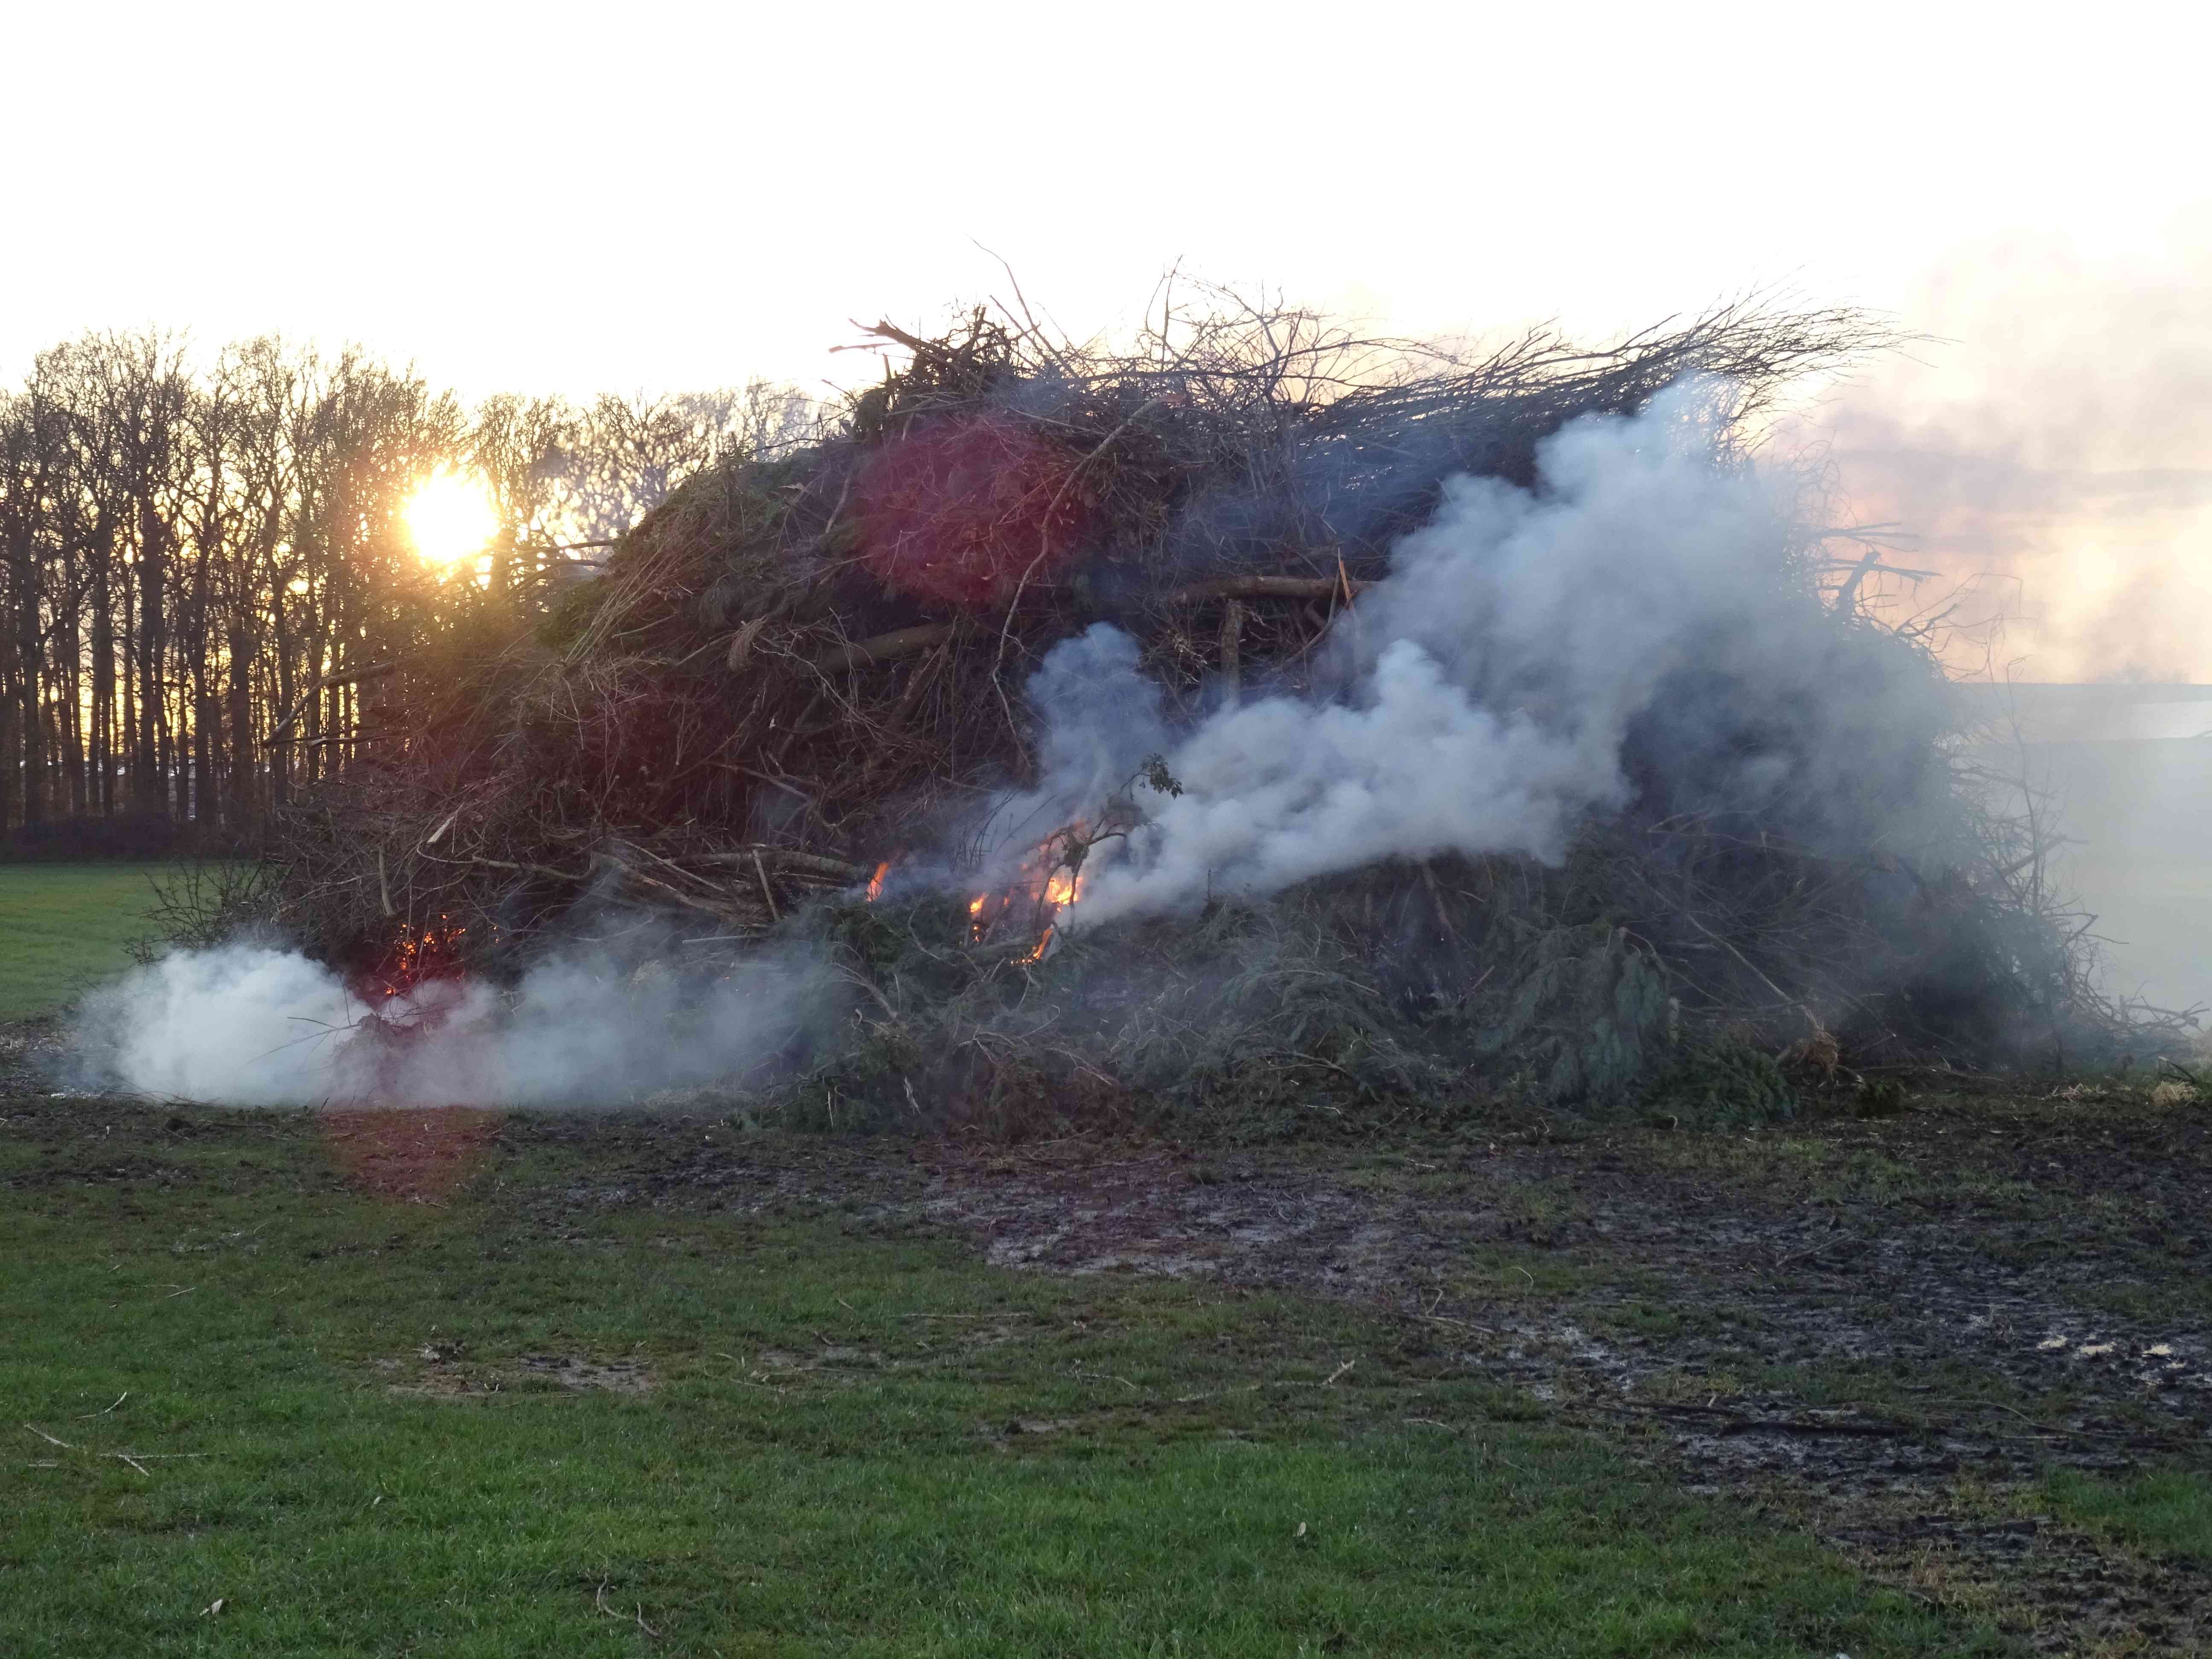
{"points": [[804, 673]]}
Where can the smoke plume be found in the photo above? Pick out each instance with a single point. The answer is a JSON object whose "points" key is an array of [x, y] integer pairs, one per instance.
{"points": [[248, 1025], [1484, 693]]}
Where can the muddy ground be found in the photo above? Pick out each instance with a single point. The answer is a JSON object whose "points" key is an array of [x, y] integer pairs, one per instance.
{"points": [[1890, 1332]]}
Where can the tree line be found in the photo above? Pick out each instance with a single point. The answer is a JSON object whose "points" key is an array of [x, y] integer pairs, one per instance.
{"points": [[194, 554]]}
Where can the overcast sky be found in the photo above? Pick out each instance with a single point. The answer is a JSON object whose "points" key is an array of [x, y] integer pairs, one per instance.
{"points": [[572, 198]]}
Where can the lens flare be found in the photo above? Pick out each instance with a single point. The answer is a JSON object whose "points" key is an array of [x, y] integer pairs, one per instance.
{"points": [[450, 517]]}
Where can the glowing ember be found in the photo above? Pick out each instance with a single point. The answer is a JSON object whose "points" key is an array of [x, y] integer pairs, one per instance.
{"points": [[419, 954]]}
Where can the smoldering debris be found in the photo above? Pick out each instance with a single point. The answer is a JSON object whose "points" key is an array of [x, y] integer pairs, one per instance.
{"points": [[1260, 715]]}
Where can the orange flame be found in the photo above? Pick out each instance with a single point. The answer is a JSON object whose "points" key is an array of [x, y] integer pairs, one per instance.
{"points": [[875, 881], [1051, 880]]}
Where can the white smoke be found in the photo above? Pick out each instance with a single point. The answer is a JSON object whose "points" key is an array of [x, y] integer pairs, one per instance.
{"points": [[251, 1026], [1485, 686]]}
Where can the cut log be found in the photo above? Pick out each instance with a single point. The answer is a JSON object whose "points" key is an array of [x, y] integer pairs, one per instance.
{"points": [[784, 860], [885, 648], [1232, 633], [1264, 588], [375, 671], [908, 641]]}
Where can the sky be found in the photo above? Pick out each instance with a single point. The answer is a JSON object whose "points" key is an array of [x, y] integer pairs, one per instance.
{"points": [[651, 196]]}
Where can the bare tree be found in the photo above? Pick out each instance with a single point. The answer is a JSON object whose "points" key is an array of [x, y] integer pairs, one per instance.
{"points": [[195, 564]]}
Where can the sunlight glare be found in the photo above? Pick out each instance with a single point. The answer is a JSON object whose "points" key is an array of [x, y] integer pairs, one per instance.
{"points": [[451, 518]]}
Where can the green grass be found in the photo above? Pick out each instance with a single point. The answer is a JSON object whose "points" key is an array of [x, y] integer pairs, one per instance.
{"points": [[854, 1443], [64, 927], [2167, 1510]]}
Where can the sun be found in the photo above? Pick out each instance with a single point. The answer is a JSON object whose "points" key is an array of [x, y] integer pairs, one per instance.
{"points": [[451, 518]]}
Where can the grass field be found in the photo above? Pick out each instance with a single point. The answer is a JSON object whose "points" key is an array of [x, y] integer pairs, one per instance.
{"points": [[511, 1421], [455, 1384], [64, 927]]}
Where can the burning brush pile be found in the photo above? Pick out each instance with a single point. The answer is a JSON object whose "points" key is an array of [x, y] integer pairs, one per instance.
{"points": [[1259, 721]]}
